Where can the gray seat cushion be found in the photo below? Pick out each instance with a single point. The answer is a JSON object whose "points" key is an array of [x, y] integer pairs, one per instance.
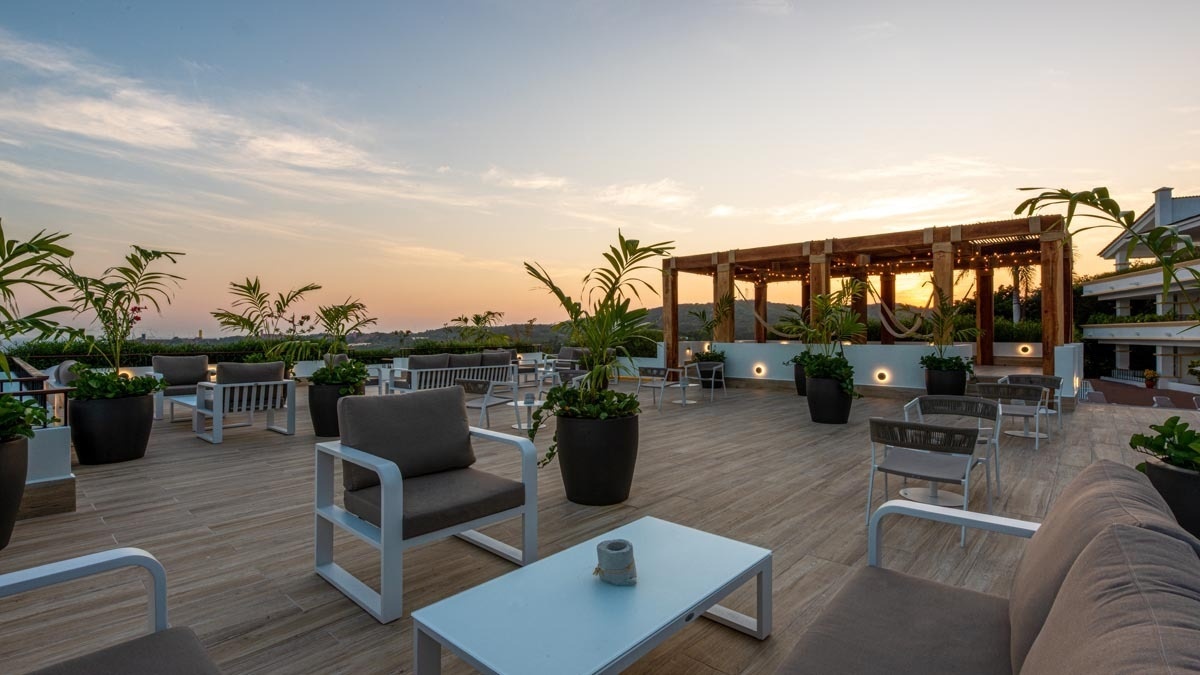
{"points": [[944, 468], [1130, 604], [180, 390], [423, 432], [464, 360], [887, 622], [176, 370], [240, 373], [1102, 494], [175, 651], [428, 361], [440, 500]]}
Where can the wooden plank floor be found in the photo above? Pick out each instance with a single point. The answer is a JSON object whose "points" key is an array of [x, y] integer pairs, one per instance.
{"points": [[232, 523]]}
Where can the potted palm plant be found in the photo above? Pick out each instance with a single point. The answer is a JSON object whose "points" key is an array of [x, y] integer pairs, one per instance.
{"points": [[112, 413], [596, 438], [946, 374], [340, 376], [829, 375], [1174, 468], [793, 325]]}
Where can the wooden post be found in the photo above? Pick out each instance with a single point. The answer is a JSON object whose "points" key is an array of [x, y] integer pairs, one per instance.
{"points": [[943, 269], [859, 305], [1052, 305], [670, 314], [806, 294], [760, 311], [985, 317], [1068, 294], [818, 278], [723, 286], [887, 300]]}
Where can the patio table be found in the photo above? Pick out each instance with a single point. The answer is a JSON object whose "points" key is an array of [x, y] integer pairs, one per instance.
{"points": [[685, 382], [554, 616]]}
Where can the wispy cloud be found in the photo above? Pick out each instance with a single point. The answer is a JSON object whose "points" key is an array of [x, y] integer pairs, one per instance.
{"points": [[937, 166], [665, 194], [876, 30], [769, 7], [905, 205], [724, 211], [527, 181]]}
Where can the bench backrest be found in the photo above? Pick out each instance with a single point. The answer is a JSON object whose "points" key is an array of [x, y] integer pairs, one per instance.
{"points": [[436, 378], [253, 396]]}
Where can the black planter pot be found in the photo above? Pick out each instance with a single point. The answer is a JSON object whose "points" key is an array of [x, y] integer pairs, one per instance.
{"points": [[322, 408], [1180, 488], [110, 430], [827, 402], [706, 368], [14, 463], [801, 383], [946, 382], [597, 458]]}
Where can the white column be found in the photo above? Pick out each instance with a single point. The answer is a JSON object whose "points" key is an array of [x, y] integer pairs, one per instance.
{"points": [[1123, 308], [1122, 357]]}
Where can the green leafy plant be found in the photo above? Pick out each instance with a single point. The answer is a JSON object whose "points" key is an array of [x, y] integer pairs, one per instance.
{"points": [[593, 404], [798, 359], [722, 310], [835, 367], [352, 375], [480, 328], [1173, 443], [337, 323], [22, 264], [603, 326], [256, 314], [709, 356], [94, 384], [18, 418], [117, 299]]}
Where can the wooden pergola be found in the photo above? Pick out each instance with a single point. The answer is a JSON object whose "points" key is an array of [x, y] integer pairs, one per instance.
{"points": [[981, 247]]}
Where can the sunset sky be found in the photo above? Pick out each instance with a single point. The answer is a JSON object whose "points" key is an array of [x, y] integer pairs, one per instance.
{"points": [[415, 154]]}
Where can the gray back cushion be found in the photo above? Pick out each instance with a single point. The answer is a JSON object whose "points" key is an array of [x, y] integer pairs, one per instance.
{"points": [[239, 373], [64, 375], [428, 361], [497, 358], [339, 358], [465, 360], [423, 432], [1130, 604], [1102, 494], [181, 369]]}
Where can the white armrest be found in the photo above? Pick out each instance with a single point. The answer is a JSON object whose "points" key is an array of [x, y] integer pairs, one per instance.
{"points": [[389, 473], [206, 385], [909, 407], [94, 563], [941, 514], [524, 445]]}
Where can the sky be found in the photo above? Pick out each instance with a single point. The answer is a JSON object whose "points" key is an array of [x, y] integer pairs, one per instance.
{"points": [[415, 155]]}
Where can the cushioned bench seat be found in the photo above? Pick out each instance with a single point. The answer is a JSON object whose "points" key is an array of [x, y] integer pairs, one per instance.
{"points": [[175, 651]]}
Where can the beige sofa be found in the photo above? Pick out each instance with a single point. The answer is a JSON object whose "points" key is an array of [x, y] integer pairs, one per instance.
{"points": [[1109, 583]]}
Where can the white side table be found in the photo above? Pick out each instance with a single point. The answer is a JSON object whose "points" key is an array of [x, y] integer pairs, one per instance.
{"points": [[529, 408]]}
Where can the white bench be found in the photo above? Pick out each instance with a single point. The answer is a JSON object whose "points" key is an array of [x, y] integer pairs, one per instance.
{"points": [[218, 400]]}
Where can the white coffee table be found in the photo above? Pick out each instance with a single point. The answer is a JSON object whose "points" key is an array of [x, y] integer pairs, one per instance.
{"points": [[554, 617], [529, 407]]}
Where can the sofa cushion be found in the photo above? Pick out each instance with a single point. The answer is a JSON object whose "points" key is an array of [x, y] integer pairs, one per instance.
{"points": [[440, 500], [240, 373], [181, 369], [1130, 604], [180, 390], [423, 432], [1102, 494], [428, 361], [496, 358], [175, 651], [884, 621], [464, 360]]}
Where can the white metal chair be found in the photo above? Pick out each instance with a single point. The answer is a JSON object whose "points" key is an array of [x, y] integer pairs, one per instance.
{"points": [[487, 394], [408, 481], [1053, 386], [979, 409], [925, 452], [1014, 402], [164, 650], [711, 375], [1163, 402], [657, 382]]}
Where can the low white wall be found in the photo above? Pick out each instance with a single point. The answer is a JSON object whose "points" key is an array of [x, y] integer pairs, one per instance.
{"points": [[1025, 350], [874, 364], [1068, 364], [49, 455]]}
